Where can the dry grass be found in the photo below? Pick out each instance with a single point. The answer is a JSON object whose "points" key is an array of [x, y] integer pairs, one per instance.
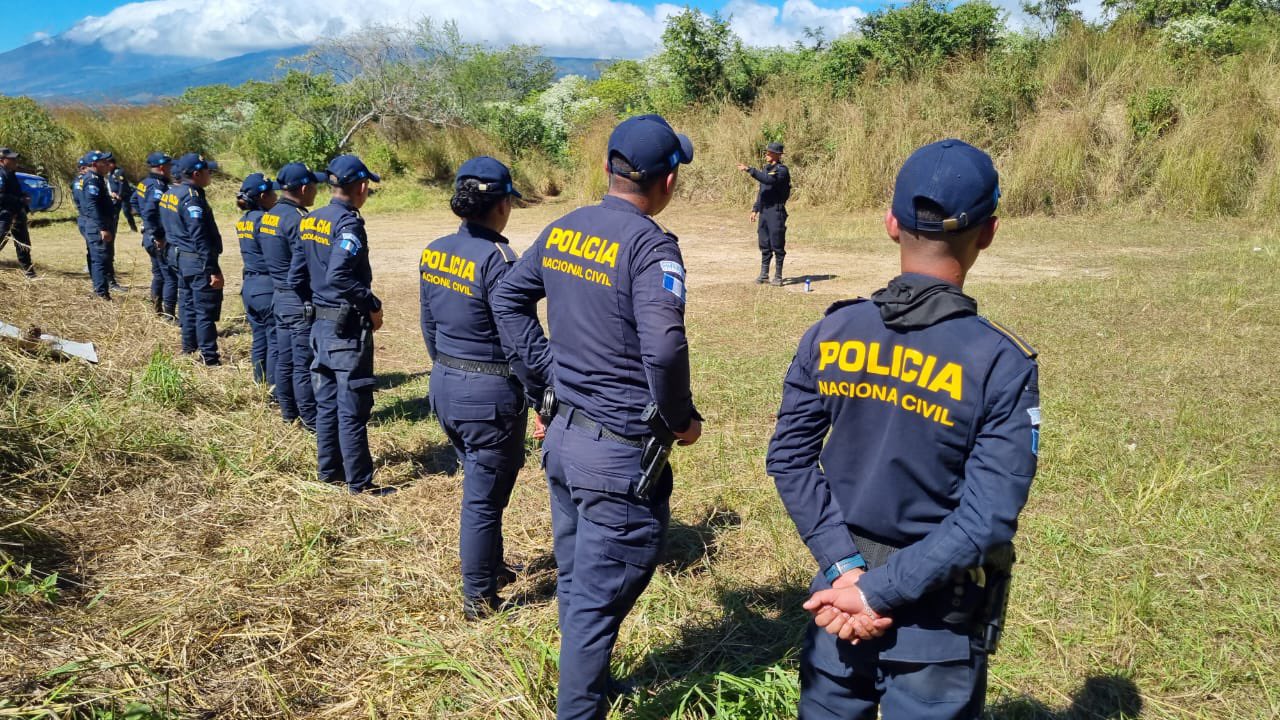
{"points": [[200, 572]]}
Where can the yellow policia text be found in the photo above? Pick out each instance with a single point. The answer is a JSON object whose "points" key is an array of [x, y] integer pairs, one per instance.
{"points": [[269, 224], [449, 264], [907, 365], [169, 202], [596, 249], [316, 230], [244, 229], [576, 270]]}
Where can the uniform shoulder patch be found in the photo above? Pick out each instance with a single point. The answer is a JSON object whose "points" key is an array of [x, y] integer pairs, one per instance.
{"points": [[843, 304], [350, 243], [1018, 342]]}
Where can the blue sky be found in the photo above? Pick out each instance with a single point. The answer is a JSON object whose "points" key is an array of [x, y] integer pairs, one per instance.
{"points": [[217, 29], [590, 28]]}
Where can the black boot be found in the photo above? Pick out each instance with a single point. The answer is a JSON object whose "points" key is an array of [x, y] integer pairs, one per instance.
{"points": [[479, 608], [763, 277], [777, 273], [157, 304], [170, 314]]}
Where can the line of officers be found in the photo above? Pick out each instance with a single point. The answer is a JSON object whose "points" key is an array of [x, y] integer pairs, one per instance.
{"points": [[907, 517]]}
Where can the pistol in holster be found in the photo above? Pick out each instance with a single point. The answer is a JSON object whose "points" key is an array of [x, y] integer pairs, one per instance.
{"points": [[308, 312], [656, 450], [997, 572]]}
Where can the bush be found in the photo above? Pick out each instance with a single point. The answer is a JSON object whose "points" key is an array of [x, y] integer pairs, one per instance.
{"points": [[1152, 113], [28, 128]]}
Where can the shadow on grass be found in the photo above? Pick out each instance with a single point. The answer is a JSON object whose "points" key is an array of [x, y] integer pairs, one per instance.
{"points": [[738, 664], [1102, 697], [411, 409], [688, 546], [47, 554], [392, 380], [799, 279]]}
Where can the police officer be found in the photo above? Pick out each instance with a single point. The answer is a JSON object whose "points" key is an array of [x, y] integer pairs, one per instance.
{"points": [[98, 221], [291, 297], [13, 210], [120, 190], [347, 314], [257, 195], [614, 283], [770, 210], [194, 245], [77, 197], [904, 452], [146, 203], [478, 400]]}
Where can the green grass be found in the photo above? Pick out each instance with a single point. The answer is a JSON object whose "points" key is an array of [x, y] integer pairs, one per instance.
{"points": [[199, 571]]}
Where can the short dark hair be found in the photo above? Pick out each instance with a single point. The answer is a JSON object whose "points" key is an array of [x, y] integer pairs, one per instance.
{"points": [[470, 203], [620, 169]]}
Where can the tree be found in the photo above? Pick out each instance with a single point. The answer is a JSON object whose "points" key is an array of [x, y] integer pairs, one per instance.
{"points": [[697, 48], [28, 128], [918, 36], [1053, 14]]}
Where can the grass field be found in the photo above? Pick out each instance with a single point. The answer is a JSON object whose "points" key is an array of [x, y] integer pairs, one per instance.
{"points": [[166, 553]]}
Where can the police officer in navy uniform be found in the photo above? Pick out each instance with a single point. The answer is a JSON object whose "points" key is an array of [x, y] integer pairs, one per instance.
{"points": [[904, 452], [770, 210], [614, 283], [474, 393], [13, 210], [98, 221], [194, 244], [257, 195], [119, 190], [347, 314], [291, 297], [146, 204], [77, 198]]}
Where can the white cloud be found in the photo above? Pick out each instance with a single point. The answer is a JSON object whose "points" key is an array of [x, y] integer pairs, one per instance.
{"points": [[583, 28]]}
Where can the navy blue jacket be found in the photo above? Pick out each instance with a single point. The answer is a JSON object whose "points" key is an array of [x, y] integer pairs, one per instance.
{"points": [[614, 284], [12, 193], [97, 210], [250, 249], [458, 273], [282, 248], [337, 252], [189, 225], [122, 196], [924, 439], [146, 202], [775, 186]]}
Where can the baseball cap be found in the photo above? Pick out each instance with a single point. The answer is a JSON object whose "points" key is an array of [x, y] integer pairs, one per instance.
{"points": [[649, 145], [346, 169], [958, 177], [9, 153], [494, 177], [98, 156], [84, 160], [295, 175], [158, 158], [774, 147], [256, 184], [193, 162]]}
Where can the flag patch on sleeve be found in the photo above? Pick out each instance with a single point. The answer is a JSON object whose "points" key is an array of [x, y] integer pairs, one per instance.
{"points": [[350, 243], [673, 285]]}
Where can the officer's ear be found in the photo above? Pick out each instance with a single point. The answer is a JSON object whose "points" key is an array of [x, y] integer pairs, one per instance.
{"points": [[988, 233], [891, 226], [670, 181]]}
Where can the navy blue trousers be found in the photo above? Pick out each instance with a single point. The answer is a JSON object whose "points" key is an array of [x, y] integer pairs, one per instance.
{"points": [[15, 223], [342, 376], [256, 294], [293, 360], [99, 264], [921, 670], [164, 279], [485, 418], [607, 543], [771, 232], [199, 306]]}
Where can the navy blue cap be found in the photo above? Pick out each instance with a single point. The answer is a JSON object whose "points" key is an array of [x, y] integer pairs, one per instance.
{"points": [[98, 156], [774, 147], [9, 153], [295, 175], [494, 177], [347, 169], [84, 160], [256, 184], [158, 158], [650, 146], [193, 162], [958, 177]]}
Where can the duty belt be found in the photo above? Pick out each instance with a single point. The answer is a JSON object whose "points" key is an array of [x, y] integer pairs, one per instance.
{"points": [[333, 314], [579, 420], [874, 553], [475, 366], [253, 273]]}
